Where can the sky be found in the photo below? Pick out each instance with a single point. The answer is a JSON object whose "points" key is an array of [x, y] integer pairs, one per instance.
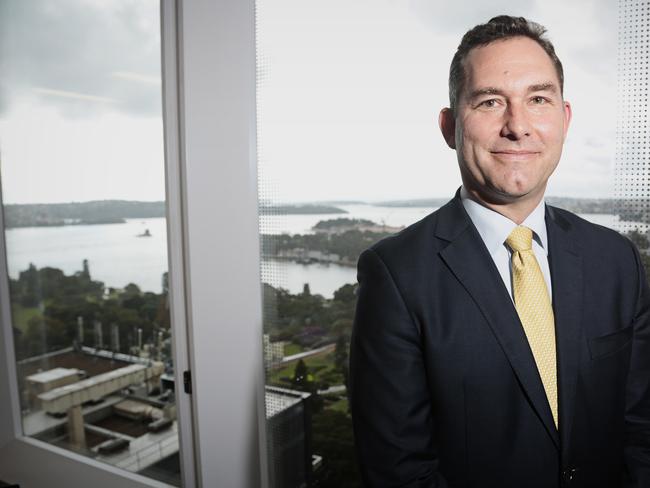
{"points": [[348, 97], [80, 101]]}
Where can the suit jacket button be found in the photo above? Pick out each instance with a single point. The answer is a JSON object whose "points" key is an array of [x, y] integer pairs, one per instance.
{"points": [[569, 477]]}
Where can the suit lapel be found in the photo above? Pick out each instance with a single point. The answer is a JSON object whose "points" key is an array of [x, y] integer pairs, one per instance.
{"points": [[471, 263], [566, 272]]}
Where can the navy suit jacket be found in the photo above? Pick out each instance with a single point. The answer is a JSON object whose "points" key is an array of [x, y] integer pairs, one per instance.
{"points": [[444, 388]]}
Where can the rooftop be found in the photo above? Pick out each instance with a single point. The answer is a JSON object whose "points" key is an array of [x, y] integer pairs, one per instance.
{"points": [[53, 375], [280, 399], [95, 380]]}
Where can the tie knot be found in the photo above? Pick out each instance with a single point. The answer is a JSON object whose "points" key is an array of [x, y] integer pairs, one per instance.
{"points": [[520, 239]]}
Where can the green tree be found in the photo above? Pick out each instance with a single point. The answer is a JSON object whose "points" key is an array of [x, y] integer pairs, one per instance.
{"points": [[342, 326], [304, 380], [45, 334], [28, 287], [346, 294], [341, 354], [165, 283], [62, 299], [641, 240], [86, 270], [300, 374]]}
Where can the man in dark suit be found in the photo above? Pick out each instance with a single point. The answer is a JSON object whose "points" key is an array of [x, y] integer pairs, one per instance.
{"points": [[499, 342]]}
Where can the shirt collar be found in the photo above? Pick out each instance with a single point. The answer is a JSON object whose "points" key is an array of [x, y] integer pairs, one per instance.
{"points": [[495, 228]]}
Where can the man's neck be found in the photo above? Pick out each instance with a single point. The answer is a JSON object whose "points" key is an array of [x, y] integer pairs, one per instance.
{"points": [[516, 210]]}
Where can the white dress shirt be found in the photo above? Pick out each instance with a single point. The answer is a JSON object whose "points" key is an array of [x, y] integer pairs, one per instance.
{"points": [[494, 229]]}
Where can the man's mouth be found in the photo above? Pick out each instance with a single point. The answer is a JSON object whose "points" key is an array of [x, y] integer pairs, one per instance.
{"points": [[515, 154]]}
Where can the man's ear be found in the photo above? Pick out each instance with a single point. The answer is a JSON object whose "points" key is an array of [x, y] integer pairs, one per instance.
{"points": [[447, 123], [568, 113]]}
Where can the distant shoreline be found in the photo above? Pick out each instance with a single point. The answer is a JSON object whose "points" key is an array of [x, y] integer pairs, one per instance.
{"points": [[117, 211], [67, 224]]}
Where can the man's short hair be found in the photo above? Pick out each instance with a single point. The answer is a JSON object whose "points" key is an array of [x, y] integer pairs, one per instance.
{"points": [[497, 28]]}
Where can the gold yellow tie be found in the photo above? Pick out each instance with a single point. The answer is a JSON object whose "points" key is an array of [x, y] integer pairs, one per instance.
{"points": [[535, 311]]}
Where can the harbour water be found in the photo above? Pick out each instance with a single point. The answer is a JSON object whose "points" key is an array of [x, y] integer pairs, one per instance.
{"points": [[118, 256]]}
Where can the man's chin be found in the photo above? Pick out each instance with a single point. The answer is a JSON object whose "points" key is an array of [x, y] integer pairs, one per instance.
{"points": [[504, 196], [504, 192]]}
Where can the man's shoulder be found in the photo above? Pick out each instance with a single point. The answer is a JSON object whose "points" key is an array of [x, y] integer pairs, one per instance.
{"points": [[586, 233], [420, 240], [414, 241], [594, 242], [422, 235]]}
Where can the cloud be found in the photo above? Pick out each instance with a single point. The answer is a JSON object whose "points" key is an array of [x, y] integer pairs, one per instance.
{"points": [[78, 54], [137, 77], [72, 95], [458, 16], [589, 44], [585, 43]]}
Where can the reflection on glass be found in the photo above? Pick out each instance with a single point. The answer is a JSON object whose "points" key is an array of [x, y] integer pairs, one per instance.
{"points": [[349, 152], [83, 191]]}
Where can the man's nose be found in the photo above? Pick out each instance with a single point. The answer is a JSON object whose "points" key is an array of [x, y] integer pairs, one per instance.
{"points": [[515, 124]]}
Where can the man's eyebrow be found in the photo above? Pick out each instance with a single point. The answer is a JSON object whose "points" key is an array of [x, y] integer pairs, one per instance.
{"points": [[485, 91], [547, 86]]}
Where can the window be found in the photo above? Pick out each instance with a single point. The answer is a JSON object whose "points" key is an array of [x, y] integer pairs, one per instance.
{"points": [[83, 185], [347, 98], [350, 152]]}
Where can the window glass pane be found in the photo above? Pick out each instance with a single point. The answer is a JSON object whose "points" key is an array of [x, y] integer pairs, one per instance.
{"points": [[350, 151], [632, 180], [83, 186]]}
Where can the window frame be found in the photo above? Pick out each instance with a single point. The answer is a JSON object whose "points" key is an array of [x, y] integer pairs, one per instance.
{"points": [[211, 167], [217, 88]]}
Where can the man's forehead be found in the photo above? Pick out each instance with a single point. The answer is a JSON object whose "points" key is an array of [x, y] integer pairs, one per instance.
{"points": [[518, 58]]}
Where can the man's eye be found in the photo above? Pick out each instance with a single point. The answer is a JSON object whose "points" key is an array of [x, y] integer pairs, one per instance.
{"points": [[488, 103], [539, 100]]}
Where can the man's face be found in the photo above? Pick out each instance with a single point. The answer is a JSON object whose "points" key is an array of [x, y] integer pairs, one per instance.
{"points": [[510, 122]]}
